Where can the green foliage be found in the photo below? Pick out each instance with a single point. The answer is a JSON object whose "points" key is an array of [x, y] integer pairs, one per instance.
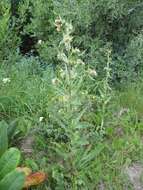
{"points": [[98, 26], [41, 26], [113, 21], [42, 18], [3, 138], [130, 97], [10, 179], [9, 40], [71, 128], [134, 57], [8, 161]]}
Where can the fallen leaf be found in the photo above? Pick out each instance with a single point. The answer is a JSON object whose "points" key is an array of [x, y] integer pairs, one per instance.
{"points": [[35, 179]]}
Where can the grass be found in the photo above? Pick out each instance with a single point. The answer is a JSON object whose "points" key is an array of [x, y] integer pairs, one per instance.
{"points": [[131, 98], [122, 146]]}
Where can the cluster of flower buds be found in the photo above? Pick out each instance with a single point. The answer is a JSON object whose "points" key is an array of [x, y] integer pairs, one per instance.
{"points": [[58, 24], [55, 81], [92, 72]]}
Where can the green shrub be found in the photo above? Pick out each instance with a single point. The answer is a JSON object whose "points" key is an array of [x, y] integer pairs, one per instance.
{"points": [[9, 41], [98, 26], [130, 97]]}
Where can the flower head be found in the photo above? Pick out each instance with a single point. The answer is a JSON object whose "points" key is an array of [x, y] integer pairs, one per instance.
{"points": [[58, 24], [41, 119], [75, 50], [55, 81], [92, 72], [67, 38], [6, 80], [39, 42]]}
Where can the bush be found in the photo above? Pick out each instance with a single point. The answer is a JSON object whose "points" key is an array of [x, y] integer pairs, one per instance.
{"points": [[98, 25]]}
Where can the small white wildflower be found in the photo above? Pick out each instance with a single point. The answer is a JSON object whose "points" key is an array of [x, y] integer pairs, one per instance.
{"points": [[55, 81], [84, 92], [6, 80], [39, 42], [60, 111], [41, 119], [92, 72]]}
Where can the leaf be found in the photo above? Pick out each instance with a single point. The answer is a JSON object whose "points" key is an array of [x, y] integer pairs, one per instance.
{"points": [[32, 164], [35, 179], [12, 128], [9, 161], [89, 155], [3, 137], [12, 181]]}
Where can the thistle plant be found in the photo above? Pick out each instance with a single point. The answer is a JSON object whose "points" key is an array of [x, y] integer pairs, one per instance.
{"points": [[71, 103], [105, 92], [76, 83], [70, 57]]}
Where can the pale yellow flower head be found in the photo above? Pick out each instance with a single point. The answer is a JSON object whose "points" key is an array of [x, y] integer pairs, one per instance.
{"points": [[58, 24], [92, 72]]}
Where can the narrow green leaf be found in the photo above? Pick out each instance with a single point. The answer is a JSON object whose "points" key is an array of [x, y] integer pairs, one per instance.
{"points": [[12, 128], [3, 137]]}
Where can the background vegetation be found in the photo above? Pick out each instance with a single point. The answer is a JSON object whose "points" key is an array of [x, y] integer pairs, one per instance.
{"points": [[71, 89]]}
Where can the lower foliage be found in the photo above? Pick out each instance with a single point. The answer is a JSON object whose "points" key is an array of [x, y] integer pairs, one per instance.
{"points": [[10, 178]]}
